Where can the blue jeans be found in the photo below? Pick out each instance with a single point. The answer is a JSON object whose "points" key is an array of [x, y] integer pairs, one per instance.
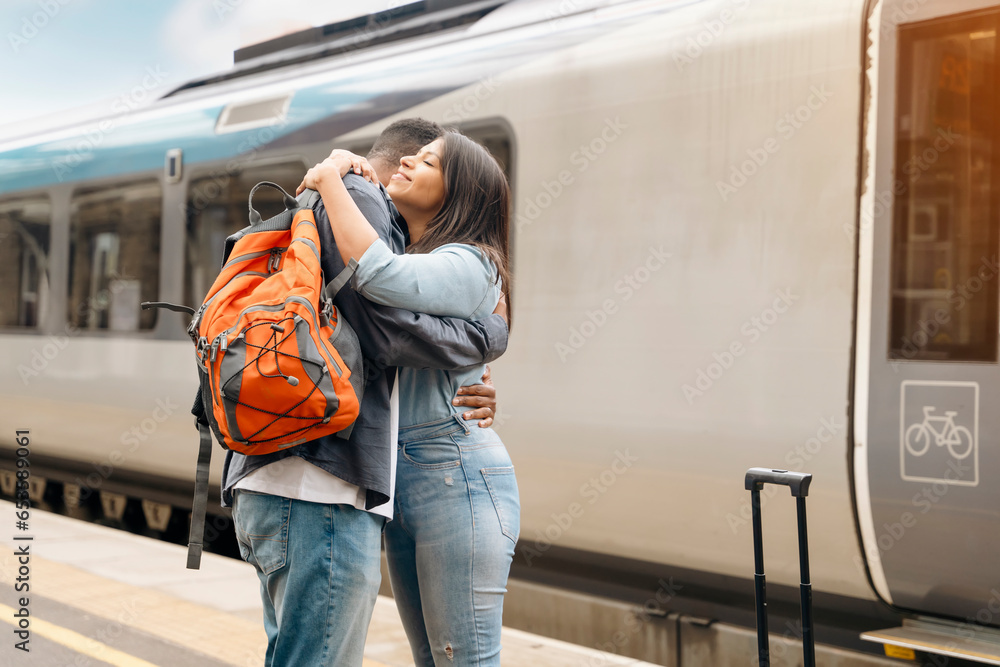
{"points": [[318, 567], [457, 517]]}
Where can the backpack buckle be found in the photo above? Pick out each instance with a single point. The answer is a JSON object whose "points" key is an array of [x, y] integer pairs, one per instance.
{"points": [[326, 312]]}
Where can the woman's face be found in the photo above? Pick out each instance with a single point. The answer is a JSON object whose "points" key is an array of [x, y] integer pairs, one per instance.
{"points": [[419, 183]]}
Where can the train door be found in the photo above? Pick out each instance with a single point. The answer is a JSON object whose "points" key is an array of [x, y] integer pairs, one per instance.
{"points": [[927, 426]]}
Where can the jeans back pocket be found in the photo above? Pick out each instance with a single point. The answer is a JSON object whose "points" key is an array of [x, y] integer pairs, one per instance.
{"points": [[502, 485], [261, 523]]}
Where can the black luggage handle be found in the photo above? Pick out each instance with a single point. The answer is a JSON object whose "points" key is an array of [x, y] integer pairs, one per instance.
{"points": [[798, 483]]}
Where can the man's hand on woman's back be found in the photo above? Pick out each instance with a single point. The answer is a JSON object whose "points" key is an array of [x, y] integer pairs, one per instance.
{"points": [[483, 397]]}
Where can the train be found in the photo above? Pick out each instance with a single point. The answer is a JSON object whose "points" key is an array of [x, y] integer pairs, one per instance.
{"points": [[746, 233]]}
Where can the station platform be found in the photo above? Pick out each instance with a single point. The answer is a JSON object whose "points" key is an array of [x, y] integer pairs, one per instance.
{"points": [[99, 596]]}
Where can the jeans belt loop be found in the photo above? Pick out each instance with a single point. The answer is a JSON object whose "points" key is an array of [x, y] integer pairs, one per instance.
{"points": [[461, 422]]}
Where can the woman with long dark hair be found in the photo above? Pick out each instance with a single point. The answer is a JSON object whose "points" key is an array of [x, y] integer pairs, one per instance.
{"points": [[457, 513]]}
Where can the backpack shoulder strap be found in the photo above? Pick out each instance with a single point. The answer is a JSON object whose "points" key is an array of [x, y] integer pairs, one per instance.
{"points": [[334, 286], [199, 505], [309, 198]]}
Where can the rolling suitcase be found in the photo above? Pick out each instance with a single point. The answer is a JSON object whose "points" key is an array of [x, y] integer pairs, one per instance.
{"points": [[798, 482]]}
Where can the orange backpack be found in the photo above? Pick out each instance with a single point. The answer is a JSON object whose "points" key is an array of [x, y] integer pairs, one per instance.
{"points": [[276, 354], [277, 363]]}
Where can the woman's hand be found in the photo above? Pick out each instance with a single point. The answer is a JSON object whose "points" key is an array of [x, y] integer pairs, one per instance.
{"points": [[358, 164], [336, 166], [501, 308], [328, 168]]}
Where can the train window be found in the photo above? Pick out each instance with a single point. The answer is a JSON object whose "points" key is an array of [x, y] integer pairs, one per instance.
{"points": [[498, 144], [946, 214], [24, 261], [493, 137], [114, 256], [217, 207]]}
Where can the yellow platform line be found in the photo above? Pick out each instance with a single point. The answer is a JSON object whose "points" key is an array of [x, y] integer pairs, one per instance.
{"points": [[227, 638], [76, 642]]}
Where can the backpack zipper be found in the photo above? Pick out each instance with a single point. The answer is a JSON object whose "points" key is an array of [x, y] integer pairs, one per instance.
{"points": [[250, 255], [274, 262]]}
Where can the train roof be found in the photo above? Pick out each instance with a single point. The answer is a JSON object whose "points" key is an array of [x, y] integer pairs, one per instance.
{"points": [[309, 87], [391, 25]]}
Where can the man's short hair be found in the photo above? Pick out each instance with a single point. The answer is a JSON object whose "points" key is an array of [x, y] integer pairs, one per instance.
{"points": [[404, 137]]}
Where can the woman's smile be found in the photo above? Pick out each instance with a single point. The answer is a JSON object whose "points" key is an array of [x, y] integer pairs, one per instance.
{"points": [[417, 188]]}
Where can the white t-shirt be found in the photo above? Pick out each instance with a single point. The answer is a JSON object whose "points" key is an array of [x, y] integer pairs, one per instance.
{"points": [[294, 477]]}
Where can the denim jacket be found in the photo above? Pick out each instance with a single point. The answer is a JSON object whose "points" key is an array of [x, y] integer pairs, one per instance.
{"points": [[455, 280]]}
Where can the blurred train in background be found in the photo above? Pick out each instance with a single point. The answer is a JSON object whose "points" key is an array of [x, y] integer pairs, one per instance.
{"points": [[747, 234]]}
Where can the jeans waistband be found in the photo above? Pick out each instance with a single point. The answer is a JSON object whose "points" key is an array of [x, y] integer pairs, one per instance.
{"points": [[433, 429]]}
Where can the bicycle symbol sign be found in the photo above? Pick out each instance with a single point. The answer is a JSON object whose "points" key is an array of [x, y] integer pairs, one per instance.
{"points": [[957, 439], [939, 432]]}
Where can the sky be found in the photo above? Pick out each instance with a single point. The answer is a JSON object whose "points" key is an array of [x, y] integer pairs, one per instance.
{"points": [[58, 55]]}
